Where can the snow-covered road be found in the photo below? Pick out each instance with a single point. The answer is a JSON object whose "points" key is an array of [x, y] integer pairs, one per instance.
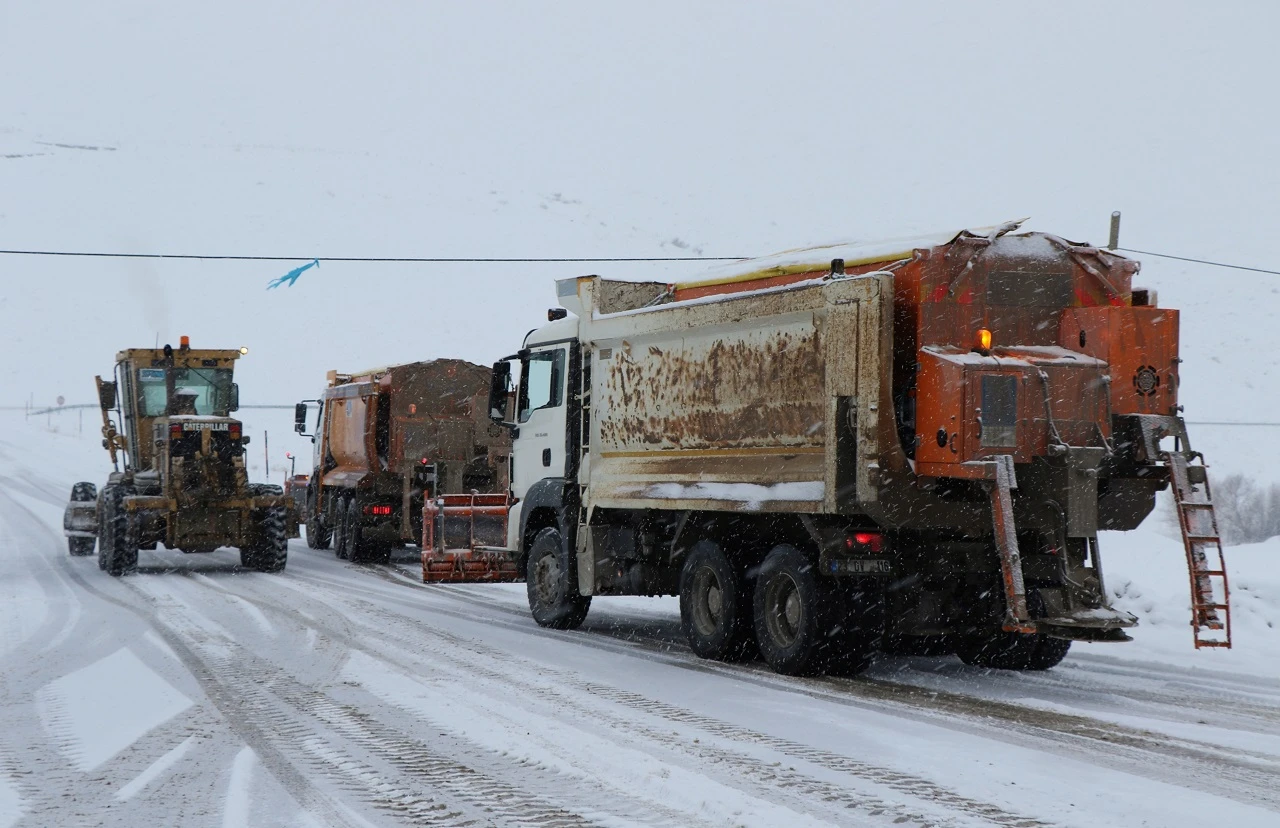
{"points": [[334, 694]]}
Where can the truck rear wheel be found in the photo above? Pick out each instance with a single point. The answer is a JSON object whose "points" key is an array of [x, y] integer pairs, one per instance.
{"points": [[1000, 650], [318, 535], [357, 546], [715, 606], [790, 613], [553, 596], [1013, 651]]}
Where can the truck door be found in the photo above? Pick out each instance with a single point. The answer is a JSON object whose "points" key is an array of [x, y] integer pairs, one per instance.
{"points": [[539, 451]]}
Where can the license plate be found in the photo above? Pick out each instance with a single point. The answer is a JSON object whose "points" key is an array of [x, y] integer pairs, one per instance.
{"points": [[860, 566]]}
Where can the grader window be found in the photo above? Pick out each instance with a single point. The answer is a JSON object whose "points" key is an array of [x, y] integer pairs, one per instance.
{"points": [[999, 411], [201, 391], [211, 388], [154, 396]]}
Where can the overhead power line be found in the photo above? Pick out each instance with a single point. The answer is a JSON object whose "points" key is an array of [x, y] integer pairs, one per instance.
{"points": [[1200, 261], [388, 259], [96, 254]]}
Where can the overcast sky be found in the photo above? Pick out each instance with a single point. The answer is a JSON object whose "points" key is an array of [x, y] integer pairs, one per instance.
{"points": [[598, 129]]}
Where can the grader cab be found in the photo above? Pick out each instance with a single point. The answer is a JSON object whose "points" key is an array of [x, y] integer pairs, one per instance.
{"points": [[179, 475]]}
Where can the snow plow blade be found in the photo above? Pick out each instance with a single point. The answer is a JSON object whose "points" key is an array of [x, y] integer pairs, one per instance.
{"points": [[464, 537]]}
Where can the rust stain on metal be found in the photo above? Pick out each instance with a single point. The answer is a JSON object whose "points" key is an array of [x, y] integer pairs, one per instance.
{"points": [[731, 390]]}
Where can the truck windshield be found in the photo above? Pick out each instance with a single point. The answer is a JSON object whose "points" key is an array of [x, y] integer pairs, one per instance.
{"points": [[202, 391]]}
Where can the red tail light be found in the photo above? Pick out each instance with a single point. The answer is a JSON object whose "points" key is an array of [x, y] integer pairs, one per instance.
{"points": [[175, 430], [377, 510], [234, 431], [869, 541]]}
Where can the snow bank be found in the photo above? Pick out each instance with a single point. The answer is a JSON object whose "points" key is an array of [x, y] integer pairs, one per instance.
{"points": [[1146, 574]]}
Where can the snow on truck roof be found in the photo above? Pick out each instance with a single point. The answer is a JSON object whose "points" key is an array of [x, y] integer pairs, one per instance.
{"points": [[854, 253], [785, 263]]}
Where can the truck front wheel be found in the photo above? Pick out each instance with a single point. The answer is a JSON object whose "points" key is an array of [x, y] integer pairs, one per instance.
{"points": [[789, 613], [553, 599], [715, 606]]}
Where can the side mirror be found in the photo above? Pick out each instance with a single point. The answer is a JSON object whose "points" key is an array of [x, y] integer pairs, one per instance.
{"points": [[106, 395], [300, 417], [234, 405], [499, 386]]}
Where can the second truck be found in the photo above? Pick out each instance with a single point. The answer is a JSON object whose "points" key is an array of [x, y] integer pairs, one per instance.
{"points": [[389, 441]]}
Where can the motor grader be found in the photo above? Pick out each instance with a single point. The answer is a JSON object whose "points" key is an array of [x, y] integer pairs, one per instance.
{"points": [[178, 460]]}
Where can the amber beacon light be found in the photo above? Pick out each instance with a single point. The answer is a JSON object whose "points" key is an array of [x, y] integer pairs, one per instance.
{"points": [[982, 340]]}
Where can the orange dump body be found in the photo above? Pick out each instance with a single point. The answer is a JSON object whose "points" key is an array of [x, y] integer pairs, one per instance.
{"points": [[1026, 371], [1072, 346]]}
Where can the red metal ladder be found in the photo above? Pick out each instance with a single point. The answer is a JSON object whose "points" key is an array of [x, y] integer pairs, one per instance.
{"points": [[1206, 566]]}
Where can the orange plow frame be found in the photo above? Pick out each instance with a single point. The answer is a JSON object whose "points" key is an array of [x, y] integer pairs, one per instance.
{"points": [[476, 561]]}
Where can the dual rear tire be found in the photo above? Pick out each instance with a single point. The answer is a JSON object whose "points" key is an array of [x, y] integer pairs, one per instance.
{"points": [[800, 624], [999, 650], [349, 540], [716, 610]]}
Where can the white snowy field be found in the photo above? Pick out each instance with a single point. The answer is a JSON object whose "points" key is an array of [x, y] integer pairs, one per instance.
{"points": [[196, 694]]}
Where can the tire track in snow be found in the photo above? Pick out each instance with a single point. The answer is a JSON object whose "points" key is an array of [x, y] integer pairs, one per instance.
{"points": [[224, 692], [418, 773], [796, 786], [499, 779], [1214, 769]]}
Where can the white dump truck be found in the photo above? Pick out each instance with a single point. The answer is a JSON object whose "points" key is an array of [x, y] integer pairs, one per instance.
{"points": [[911, 447]]}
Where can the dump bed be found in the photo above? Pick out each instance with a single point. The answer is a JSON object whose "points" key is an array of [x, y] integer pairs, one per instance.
{"points": [[431, 413], [769, 400]]}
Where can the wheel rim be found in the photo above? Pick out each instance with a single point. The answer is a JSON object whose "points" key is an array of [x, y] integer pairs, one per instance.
{"points": [[708, 602], [547, 579], [784, 610]]}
